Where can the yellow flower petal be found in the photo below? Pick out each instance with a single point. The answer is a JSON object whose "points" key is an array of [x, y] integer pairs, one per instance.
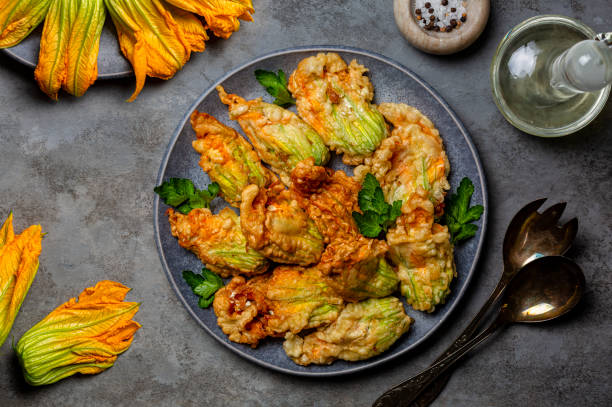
{"points": [[69, 46], [191, 26], [83, 336], [18, 266], [221, 15], [18, 18], [150, 38], [6, 232]]}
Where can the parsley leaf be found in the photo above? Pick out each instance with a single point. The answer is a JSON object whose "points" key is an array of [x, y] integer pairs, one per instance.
{"points": [[276, 85], [377, 214], [204, 285], [183, 195], [459, 214]]}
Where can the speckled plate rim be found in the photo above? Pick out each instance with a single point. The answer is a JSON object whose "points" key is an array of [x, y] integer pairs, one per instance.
{"points": [[324, 48]]}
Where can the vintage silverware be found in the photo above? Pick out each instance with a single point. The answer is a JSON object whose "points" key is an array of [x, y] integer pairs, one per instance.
{"points": [[529, 235], [544, 289]]}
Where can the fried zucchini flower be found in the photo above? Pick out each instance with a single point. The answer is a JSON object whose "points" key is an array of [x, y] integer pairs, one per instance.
{"points": [[69, 45], [280, 137], [357, 268], [155, 38], [18, 18], [227, 157], [83, 336], [412, 157], [221, 15], [423, 253], [291, 299], [363, 330], [335, 100], [18, 265], [276, 226], [217, 241]]}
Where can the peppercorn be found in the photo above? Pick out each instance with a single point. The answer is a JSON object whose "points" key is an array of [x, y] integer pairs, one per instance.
{"points": [[431, 10], [445, 2], [453, 9], [463, 18], [418, 11], [453, 23], [427, 5]]}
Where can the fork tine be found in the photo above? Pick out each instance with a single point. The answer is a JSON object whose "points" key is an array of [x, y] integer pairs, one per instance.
{"points": [[570, 230], [552, 215]]}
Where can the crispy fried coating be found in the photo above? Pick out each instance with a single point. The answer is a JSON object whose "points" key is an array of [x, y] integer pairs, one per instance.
{"points": [[217, 241], [227, 157], [280, 137], [329, 197], [423, 252], [335, 100], [412, 156], [290, 299], [354, 263], [276, 226], [363, 330]]}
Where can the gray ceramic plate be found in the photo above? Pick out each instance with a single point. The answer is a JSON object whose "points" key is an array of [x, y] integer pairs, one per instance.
{"points": [[393, 83], [111, 63]]}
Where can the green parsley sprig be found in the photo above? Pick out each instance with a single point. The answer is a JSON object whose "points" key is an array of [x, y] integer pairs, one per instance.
{"points": [[459, 214], [184, 196], [377, 214], [276, 85], [204, 285]]}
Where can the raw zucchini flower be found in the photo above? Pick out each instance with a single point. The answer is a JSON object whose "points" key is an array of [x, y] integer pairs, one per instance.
{"points": [[423, 253], [217, 241], [69, 46], [155, 39], [412, 157], [227, 157], [83, 336], [335, 100], [18, 266], [280, 137], [363, 330], [290, 299], [276, 226], [18, 18], [221, 15]]}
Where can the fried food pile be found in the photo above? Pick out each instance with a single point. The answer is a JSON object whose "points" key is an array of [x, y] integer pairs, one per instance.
{"points": [[301, 268]]}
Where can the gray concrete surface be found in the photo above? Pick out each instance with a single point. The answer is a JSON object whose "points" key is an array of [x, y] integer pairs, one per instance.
{"points": [[85, 170]]}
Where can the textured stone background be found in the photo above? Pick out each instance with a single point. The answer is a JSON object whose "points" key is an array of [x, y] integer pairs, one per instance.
{"points": [[85, 169]]}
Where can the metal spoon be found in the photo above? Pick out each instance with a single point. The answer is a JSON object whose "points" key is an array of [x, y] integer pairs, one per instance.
{"points": [[530, 235], [544, 289]]}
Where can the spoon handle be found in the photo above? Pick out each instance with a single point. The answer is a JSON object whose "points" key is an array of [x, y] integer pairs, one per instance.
{"points": [[406, 392], [432, 391]]}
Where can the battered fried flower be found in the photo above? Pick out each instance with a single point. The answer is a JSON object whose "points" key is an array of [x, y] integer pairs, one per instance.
{"points": [[217, 241], [357, 268], [354, 263], [363, 330], [276, 226], [329, 197], [412, 157], [423, 253], [291, 299], [335, 100], [280, 137], [221, 15], [227, 157]]}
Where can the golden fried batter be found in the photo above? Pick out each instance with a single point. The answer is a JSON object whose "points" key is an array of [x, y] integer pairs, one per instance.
{"points": [[363, 330], [423, 253], [413, 156], [276, 226], [280, 137], [217, 241], [335, 100], [290, 299], [227, 157]]}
